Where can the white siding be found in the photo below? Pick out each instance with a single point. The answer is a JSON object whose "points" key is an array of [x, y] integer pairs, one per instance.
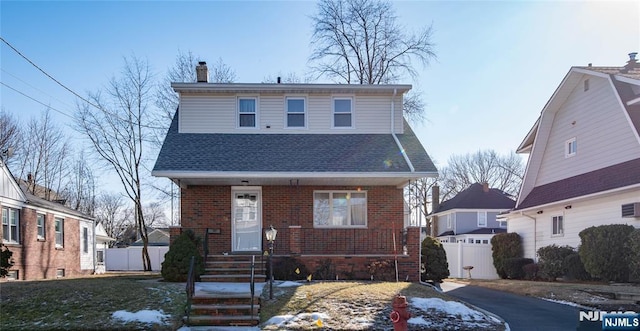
{"points": [[201, 113], [86, 259], [581, 215], [602, 131], [479, 256], [8, 188]]}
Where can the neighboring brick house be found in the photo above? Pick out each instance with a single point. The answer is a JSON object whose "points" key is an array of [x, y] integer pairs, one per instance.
{"points": [[471, 215], [584, 158], [325, 164], [47, 239]]}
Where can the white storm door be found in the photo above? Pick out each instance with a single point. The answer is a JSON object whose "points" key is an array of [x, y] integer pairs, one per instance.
{"points": [[247, 221]]}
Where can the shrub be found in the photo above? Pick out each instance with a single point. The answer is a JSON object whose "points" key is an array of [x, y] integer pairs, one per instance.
{"points": [[531, 271], [574, 269], [503, 247], [175, 267], [382, 270], [434, 260], [552, 260], [514, 267], [603, 251], [284, 268], [633, 247], [325, 271], [6, 262]]}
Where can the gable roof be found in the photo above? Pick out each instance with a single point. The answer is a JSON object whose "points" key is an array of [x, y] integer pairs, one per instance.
{"points": [[9, 187], [475, 197], [188, 155], [605, 179]]}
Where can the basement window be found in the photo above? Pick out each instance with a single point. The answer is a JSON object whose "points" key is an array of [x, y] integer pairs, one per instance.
{"points": [[59, 273]]}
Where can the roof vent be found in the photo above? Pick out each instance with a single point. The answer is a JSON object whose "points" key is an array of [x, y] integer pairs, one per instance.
{"points": [[632, 63]]}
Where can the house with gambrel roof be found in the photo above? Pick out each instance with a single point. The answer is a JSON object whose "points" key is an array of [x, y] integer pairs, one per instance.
{"points": [[324, 164], [584, 158]]}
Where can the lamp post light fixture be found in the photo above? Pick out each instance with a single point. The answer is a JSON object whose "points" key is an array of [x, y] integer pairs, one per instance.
{"points": [[271, 237]]}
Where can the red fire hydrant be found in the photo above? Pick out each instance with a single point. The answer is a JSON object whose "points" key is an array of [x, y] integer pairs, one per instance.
{"points": [[400, 315]]}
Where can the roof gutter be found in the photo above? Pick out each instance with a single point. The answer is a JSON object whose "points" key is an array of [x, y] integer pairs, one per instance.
{"points": [[252, 174], [393, 131]]}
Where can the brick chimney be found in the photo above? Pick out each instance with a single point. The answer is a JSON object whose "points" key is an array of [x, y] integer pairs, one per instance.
{"points": [[485, 187], [632, 63], [202, 73]]}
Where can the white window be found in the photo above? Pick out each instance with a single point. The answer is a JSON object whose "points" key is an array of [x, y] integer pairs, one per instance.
{"points": [[449, 221], [570, 147], [59, 225], [342, 112], [247, 112], [296, 112], [59, 273], [85, 240], [482, 219], [485, 241], [41, 227], [10, 225], [558, 226], [339, 209]]}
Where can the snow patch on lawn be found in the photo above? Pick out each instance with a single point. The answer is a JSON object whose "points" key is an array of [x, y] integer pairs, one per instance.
{"points": [[142, 316], [568, 303], [297, 321], [450, 307], [289, 284]]}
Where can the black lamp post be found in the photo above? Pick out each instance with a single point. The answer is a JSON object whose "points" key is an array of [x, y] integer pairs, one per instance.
{"points": [[271, 237]]}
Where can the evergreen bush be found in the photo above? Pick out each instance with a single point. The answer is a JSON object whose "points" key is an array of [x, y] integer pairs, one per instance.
{"points": [[514, 267], [175, 267], [551, 261], [434, 260], [503, 247], [603, 251], [6, 262], [289, 268], [574, 269], [531, 271], [633, 247]]}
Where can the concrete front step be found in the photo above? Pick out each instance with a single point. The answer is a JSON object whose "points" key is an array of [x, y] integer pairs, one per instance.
{"points": [[226, 270], [226, 299], [233, 278], [224, 310], [223, 320]]}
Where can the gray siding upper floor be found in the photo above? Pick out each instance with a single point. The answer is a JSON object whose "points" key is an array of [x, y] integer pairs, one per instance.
{"points": [[467, 221], [204, 113], [596, 119]]}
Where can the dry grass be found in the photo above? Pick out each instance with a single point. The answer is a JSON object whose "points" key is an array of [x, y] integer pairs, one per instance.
{"points": [[358, 306], [88, 303], [589, 294]]}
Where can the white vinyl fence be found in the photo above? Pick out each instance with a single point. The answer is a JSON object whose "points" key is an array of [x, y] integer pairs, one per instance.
{"points": [[479, 256], [130, 258]]}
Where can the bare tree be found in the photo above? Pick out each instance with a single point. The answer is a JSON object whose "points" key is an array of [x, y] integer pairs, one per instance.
{"points": [[418, 198], [155, 215], [118, 130], [44, 158], [504, 172], [114, 214], [361, 42], [287, 78], [80, 192], [10, 133]]}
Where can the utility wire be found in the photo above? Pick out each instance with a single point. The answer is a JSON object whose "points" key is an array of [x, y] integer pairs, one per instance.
{"points": [[70, 90], [38, 101], [35, 88]]}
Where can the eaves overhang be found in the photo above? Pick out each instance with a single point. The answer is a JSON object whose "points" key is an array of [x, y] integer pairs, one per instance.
{"points": [[216, 88]]}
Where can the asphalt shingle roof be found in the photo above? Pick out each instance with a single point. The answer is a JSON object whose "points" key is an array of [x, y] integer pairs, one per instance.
{"points": [[290, 152], [608, 178], [474, 197]]}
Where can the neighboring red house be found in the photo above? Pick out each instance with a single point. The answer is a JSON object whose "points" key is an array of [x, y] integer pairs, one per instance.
{"points": [[47, 239], [324, 164]]}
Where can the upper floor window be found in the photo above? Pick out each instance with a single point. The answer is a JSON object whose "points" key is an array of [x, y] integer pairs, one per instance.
{"points": [[10, 225], [339, 209], [247, 112], [296, 111], [342, 112], [570, 147], [482, 219], [41, 227], [558, 225], [59, 226], [449, 218]]}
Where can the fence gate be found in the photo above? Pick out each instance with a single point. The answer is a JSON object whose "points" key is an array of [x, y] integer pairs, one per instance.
{"points": [[460, 255]]}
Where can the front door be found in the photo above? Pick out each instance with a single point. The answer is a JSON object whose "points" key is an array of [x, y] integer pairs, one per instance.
{"points": [[247, 221]]}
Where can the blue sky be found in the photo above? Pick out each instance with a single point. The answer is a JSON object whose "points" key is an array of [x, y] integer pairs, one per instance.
{"points": [[498, 62]]}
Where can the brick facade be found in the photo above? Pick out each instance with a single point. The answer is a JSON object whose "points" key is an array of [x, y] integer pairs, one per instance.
{"points": [[39, 258], [290, 210]]}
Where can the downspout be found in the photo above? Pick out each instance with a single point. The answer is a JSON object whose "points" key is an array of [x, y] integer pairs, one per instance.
{"points": [[393, 131], [95, 247]]}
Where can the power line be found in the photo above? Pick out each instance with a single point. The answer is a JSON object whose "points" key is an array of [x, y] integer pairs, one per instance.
{"points": [[71, 91], [38, 101], [35, 88]]}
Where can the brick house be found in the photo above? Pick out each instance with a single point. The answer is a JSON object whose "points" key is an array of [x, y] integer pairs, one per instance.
{"points": [[324, 164], [48, 240]]}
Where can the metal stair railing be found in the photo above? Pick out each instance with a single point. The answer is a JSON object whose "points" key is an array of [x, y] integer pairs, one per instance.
{"points": [[252, 283], [190, 287]]}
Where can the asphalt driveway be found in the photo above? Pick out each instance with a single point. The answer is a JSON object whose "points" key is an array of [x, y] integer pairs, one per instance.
{"points": [[520, 312]]}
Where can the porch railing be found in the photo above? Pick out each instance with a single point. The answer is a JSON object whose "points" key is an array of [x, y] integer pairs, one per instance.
{"points": [[252, 283], [190, 287]]}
